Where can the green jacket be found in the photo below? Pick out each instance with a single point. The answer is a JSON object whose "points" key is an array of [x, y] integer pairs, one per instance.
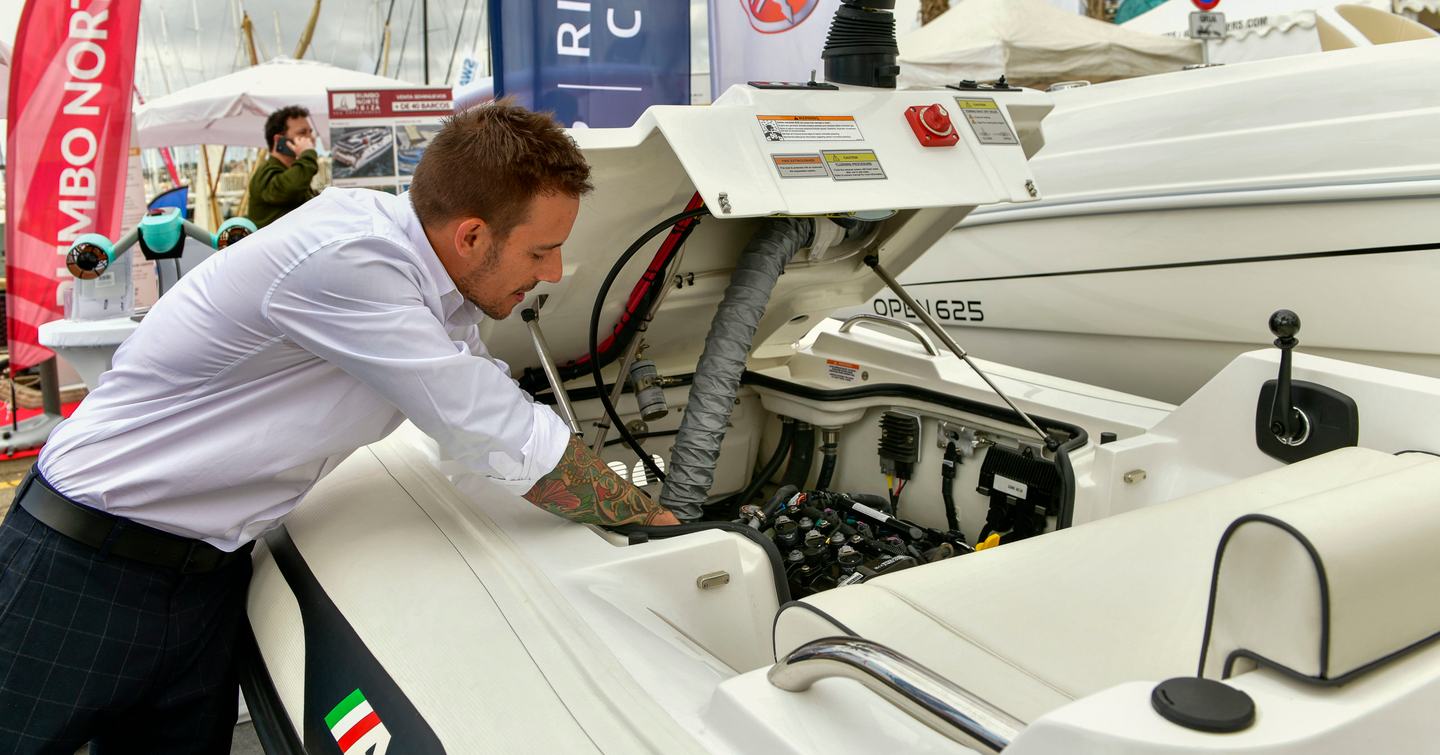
{"points": [[276, 189]]}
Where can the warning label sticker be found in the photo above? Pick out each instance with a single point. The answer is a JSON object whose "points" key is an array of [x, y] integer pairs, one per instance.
{"points": [[853, 165], [986, 120], [845, 372], [808, 165], [810, 128]]}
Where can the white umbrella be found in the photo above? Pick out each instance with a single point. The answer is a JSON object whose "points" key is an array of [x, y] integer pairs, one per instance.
{"points": [[231, 109], [1033, 43]]}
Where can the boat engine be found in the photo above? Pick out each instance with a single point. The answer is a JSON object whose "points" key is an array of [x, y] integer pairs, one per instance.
{"points": [[830, 539]]}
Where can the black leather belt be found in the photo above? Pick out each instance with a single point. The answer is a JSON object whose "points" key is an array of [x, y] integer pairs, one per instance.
{"points": [[119, 536]]}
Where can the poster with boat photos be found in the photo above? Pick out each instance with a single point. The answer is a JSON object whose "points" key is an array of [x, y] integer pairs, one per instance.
{"points": [[378, 135]]}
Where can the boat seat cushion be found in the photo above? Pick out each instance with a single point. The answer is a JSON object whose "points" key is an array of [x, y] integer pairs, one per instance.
{"points": [[1034, 624], [1296, 584]]}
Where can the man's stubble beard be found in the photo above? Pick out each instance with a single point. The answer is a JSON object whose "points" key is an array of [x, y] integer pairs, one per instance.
{"points": [[471, 283]]}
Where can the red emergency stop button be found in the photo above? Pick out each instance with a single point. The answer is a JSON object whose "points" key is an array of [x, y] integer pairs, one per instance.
{"points": [[932, 126]]}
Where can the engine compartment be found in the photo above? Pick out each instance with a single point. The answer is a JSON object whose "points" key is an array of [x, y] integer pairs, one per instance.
{"points": [[834, 530], [823, 527]]}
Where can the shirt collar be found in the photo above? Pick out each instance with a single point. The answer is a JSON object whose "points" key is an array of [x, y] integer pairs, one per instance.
{"points": [[451, 300]]}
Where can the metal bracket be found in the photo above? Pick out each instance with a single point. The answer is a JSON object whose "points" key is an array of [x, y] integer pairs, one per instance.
{"points": [[947, 432]]}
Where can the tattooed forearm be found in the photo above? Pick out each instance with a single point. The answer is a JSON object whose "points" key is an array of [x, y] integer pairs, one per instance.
{"points": [[582, 488]]}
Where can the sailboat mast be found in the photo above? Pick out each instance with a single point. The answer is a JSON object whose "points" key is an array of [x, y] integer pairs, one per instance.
{"points": [[385, 42], [248, 27], [464, 10], [304, 43]]}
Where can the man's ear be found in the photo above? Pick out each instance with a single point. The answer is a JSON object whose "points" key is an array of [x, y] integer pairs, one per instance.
{"points": [[472, 237]]}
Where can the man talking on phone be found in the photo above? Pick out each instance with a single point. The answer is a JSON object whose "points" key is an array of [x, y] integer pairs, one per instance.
{"points": [[283, 182]]}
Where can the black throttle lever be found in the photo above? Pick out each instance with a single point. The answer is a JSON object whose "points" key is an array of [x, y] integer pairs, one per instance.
{"points": [[1297, 419], [1285, 420]]}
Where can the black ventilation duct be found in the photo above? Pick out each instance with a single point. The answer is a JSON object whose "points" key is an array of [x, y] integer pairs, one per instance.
{"points": [[861, 49]]}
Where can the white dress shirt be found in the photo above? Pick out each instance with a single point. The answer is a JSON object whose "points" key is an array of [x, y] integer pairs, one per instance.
{"points": [[274, 360]]}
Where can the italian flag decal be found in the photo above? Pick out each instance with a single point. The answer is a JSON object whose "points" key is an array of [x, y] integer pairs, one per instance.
{"points": [[357, 727]]}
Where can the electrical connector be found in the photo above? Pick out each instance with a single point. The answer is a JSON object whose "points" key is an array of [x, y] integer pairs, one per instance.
{"points": [[950, 462]]}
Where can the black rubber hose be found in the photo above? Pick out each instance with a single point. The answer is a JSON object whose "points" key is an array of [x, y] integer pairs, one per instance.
{"points": [[802, 456], [827, 471], [777, 563], [947, 485], [829, 452], [600, 297], [1067, 479], [533, 379], [772, 465]]}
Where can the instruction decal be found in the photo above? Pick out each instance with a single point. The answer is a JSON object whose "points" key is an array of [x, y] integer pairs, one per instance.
{"points": [[854, 165], [845, 372], [986, 120], [805, 165], [809, 128]]}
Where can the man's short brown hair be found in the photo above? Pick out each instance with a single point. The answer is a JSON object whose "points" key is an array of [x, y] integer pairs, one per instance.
{"points": [[490, 160]]}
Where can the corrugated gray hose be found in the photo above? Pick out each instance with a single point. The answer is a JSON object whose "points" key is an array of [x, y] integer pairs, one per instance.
{"points": [[727, 347]]}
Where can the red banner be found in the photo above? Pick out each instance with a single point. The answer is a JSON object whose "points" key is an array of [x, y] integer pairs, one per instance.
{"points": [[70, 79]]}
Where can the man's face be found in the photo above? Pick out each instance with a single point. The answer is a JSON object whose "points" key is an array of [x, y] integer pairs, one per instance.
{"points": [[298, 127], [499, 275]]}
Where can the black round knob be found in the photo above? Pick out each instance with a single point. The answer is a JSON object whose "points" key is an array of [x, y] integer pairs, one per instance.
{"points": [[1284, 323], [1203, 705]]}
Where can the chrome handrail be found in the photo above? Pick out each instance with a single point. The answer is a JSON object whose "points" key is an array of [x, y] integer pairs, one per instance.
{"points": [[908, 327], [936, 701]]}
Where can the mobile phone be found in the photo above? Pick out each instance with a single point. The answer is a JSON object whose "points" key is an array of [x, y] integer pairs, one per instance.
{"points": [[282, 145]]}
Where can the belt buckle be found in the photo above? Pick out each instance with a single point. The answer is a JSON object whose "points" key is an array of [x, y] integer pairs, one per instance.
{"points": [[190, 553]]}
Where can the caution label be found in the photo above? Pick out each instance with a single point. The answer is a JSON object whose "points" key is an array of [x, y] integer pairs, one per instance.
{"points": [[853, 165], [809, 128], [807, 165], [986, 120], [845, 372]]}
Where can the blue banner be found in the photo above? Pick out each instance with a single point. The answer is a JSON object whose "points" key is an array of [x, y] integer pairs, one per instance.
{"points": [[592, 62]]}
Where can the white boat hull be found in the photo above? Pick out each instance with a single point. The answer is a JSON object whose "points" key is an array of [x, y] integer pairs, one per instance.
{"points": [[1179, 210], [1153, 303], [471, 621]]}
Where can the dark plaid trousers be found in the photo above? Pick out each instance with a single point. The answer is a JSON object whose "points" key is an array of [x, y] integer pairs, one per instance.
{"points": [[131, 657]]}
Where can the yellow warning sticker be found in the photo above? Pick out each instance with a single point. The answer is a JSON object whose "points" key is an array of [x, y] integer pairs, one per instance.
{"points": [[854, 165], [986, 121]]}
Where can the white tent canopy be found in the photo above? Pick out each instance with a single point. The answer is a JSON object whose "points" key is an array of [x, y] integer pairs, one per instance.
{"points": [[1032, 43], [231, 109], [1261, 29]]}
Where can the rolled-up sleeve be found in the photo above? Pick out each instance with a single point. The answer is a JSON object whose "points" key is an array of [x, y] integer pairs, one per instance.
{"points": [[365, 313]]}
